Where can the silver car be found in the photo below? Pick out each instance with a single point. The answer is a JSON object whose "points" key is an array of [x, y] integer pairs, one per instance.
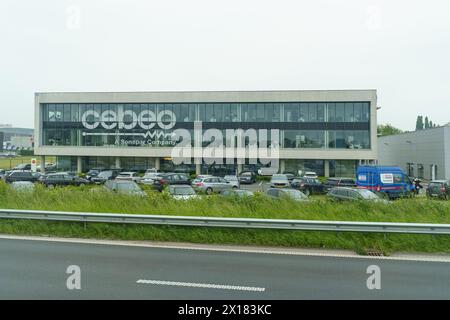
{"points": [[279, 181], [210, 185], [234, 181]]}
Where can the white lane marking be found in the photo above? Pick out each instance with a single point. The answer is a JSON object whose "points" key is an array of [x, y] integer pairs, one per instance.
{"points": [[200, 285], [239, 249]]}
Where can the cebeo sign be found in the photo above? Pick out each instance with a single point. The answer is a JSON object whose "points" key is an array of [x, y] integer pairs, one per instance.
{"points": [[146, 120]]}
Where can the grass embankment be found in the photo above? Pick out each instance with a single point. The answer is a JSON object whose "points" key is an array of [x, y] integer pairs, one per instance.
{"points": [[81, 199]]}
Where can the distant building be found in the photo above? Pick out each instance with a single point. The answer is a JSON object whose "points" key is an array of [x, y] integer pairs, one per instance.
{"points": [[424, 154], [12, 138]]}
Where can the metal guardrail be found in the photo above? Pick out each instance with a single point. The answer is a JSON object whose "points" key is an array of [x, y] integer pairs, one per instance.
{"points": [[305, 225]]}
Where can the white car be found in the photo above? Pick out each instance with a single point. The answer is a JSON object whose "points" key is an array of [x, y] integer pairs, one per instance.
{"points": [[152, 170], [311, 175], [128, 176]]}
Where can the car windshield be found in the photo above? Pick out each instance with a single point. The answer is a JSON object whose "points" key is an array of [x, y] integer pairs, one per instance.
{"points": [[246, 174], [367, 194], [128, 187], [295, 194], [104, 174], [279, 177], [183, 191]]}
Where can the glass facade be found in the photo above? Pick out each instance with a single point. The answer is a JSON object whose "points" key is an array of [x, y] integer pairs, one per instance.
{"points": [[331, 125]]}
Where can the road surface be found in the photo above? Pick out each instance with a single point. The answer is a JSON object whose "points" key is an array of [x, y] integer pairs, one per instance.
{"points": [[37, 270]]}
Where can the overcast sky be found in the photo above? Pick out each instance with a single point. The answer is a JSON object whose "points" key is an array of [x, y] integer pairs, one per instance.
{"points": [[401, 48]]}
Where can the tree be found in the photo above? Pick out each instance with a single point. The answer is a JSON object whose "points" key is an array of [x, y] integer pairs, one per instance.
{"points": [[387, 130], [427, 123], [419, 123]]}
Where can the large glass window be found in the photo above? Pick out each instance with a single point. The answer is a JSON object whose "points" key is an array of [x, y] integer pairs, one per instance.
{"points": [[62, 122]]}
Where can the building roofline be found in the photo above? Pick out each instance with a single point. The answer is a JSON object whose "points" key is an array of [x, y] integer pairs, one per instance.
{"points": [[206, 91]]}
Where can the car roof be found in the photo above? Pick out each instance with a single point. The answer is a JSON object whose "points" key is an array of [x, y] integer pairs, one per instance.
{"points": [[439, 181]]}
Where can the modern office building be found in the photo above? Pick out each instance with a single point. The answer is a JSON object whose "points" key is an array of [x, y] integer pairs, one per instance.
{"points": [[329, 132], [424, 154]]}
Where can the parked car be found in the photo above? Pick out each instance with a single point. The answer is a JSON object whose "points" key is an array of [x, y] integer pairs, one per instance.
{"points": [[392, 181], [339, 182], [211, 185], [20, 175], [279, 181], [233, 180], [124, 187], [23, 166], [286, 193], [354, 194], [104, 176], [439, 189], [149, 178], [237, 193], [63, 179], [2, 173], [308, 186], [310, 174], [93, 173], [182, 192], [267, 171], [151, 170], [128, 176], [167, 179], [23, 186], [247, 177], [290, 176]]}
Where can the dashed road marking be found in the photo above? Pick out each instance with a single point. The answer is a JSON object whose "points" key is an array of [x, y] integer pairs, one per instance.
{"points": [[200, 285]]}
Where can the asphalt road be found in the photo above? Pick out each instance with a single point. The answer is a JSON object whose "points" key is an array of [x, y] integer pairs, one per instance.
{"points": [[37, 270]]}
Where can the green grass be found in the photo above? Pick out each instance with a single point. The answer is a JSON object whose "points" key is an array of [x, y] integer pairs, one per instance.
{"points": [[83, 200], [9, 163]]}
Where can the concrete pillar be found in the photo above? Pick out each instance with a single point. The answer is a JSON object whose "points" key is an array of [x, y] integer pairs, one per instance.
{"points": [[198, 168], [79, 164], [118, 162], [158, 164], [42, 164], [282, 165], [240, 167], [327, 168]]}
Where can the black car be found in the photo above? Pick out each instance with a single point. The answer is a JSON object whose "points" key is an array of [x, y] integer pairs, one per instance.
{"points": [[63, 179], [339, 182], [166, 179], [439, 189], [247, 177], [105, 175], [21, 175], [308, 186]]}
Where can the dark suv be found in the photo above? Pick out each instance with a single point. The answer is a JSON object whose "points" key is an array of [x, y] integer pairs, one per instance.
{"points": [[439, 189], [21, 175], [166, 179], [63, 179], [105, 175], [339, 182], [248, 177]]}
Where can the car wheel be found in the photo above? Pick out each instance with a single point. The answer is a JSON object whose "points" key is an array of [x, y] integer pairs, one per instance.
{"points": [[209, 191], [307, 192], [82, 184], [235, 187]]}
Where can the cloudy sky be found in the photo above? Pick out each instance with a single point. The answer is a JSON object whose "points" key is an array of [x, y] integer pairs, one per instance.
{"points": [[401, 48]]}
